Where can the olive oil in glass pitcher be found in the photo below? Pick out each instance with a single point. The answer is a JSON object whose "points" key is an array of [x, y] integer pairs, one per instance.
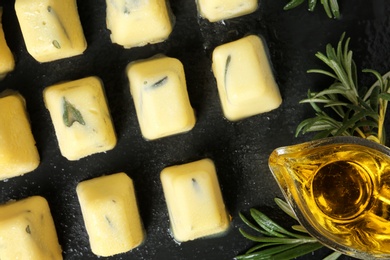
{"points": [[339, 188]]}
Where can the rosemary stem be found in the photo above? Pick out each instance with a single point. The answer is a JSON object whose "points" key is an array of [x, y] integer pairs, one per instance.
{"points": [[360, 132], [380, 120]]}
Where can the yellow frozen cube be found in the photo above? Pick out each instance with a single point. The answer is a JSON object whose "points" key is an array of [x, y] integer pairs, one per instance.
{"points": [[7, 62], [245, 81], [18, 153], [159, 91], [137, 23], [193, 196], [27, 230], [217, 10], [51, 28], [110, 214], [81, 117]]}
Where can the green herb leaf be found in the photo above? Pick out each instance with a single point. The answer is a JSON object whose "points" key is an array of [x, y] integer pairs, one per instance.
{"points": [[285, 207], [333, 256], [297, 251], [250, 224], [71, 114], [293, 3], [56, 44], [259, 246], [299, 228], [227, 65], [269, 225], [60, 24], [28, 230], [159, 83]]}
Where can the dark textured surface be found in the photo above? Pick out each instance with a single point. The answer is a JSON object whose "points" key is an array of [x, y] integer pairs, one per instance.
{"points": [[240, 150]]}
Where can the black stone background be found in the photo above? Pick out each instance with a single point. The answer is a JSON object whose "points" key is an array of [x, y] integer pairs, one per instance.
{"points": [[240, 149]]}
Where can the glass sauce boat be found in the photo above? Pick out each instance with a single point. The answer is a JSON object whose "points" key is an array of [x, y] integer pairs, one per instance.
{"points": [[339, 188]]}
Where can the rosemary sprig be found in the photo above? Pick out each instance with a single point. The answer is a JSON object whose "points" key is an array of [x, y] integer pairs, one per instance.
{"points": [[342, 108], [275, 242], [331, 7]]}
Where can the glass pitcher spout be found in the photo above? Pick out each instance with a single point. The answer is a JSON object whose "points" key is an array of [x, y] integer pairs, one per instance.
{"points": [[339, 188]]}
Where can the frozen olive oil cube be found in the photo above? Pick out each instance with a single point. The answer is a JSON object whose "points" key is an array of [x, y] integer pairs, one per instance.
{"points": [[159, 91], [193, 196], [138, 22], [27, 230], [245, 81], [110, 213], [18, 153], [217, 10], [51, 28], [81, 117], [7, 62]]}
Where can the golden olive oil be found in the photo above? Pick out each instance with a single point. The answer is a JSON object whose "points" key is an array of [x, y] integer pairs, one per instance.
{"points": [[342, 192]]}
